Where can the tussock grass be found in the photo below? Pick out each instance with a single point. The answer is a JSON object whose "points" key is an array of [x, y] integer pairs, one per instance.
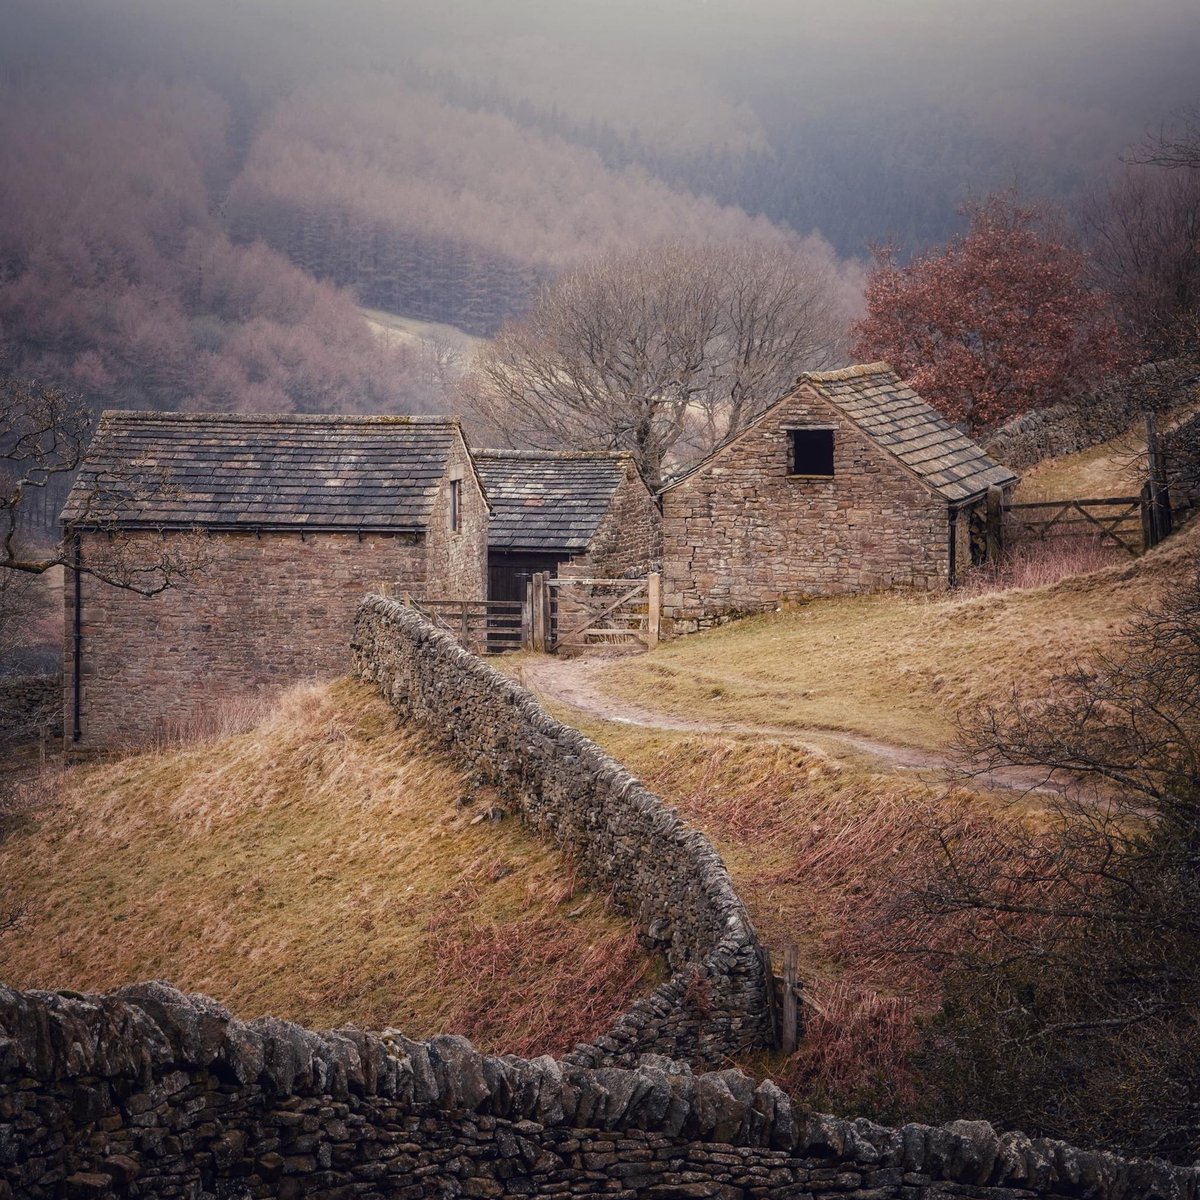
{"points": [[325, 867], [894, 665]]}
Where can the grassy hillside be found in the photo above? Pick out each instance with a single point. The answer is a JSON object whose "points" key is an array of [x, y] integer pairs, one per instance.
{"points": [[324, 867], [894, 665]]}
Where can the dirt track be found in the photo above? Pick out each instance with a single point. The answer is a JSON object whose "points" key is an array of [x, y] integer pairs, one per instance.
{"points": [[576, 682]]}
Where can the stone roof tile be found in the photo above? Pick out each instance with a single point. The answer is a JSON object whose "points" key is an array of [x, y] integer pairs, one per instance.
{"points": [[889, 412], [170, 470], [542, 500]]}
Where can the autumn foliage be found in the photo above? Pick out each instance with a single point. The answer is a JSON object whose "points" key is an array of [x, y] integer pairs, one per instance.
{"points": [[998, 322]]}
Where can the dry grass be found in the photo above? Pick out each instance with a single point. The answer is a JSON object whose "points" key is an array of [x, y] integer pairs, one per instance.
{"points": [[324, 867], [1115, 468], [820, 850], [894, 665]]}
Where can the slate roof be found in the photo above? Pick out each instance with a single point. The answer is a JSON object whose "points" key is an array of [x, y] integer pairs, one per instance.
{"points": [[549, 501], [885, 408], [893, 416], [173, 470]]}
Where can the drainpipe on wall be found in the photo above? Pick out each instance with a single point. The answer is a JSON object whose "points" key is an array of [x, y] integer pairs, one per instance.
{"points": [[953, 548], [77, 633]]}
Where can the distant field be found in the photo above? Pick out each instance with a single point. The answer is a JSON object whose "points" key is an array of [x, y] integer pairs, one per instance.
{"points": [[325, 867], [393, 328]]}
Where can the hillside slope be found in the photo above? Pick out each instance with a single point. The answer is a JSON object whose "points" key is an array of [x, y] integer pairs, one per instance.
{"points": [[893, 665], [324, 867]]}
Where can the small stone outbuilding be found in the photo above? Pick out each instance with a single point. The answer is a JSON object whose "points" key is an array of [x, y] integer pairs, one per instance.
{"points": [[300, 516], [570, 513], [849, 483]]}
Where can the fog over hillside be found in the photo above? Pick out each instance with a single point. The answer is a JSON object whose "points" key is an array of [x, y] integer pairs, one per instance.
{"points": [[195, 196]]}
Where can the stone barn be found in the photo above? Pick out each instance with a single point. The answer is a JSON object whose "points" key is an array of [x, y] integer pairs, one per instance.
{"points": [[300, 515], [849, 483], [581, 513]]}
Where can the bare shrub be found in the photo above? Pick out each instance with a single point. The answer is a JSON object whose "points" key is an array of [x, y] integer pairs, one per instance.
{"points": [[1040, 563]]}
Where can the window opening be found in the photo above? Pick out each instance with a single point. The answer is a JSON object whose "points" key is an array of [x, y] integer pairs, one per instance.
{"points": [[811, 451], [455, 505]]}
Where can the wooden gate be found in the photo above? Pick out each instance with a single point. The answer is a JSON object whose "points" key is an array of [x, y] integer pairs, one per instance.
{"points": [[581, 612], [1118, 520]]}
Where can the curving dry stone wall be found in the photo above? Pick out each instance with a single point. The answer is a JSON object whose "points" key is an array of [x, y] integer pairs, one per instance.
{"points": [[151, 1093], [625, 840]]}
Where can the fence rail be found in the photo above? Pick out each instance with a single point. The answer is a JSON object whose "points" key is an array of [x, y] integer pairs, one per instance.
{"points": [[490, 626]]}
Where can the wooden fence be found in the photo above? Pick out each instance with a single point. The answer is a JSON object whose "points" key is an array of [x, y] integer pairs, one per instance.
{"points": [[556, 613]]}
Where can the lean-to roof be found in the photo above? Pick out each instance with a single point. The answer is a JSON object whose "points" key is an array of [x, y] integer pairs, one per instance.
{"points": [[548, 501]]}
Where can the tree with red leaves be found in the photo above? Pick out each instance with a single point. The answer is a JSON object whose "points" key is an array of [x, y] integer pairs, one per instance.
{"points": [[998, 322]]}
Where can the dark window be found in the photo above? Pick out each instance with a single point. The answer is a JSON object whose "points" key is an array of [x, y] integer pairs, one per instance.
{"points": [[812, 451], [455, 505]]}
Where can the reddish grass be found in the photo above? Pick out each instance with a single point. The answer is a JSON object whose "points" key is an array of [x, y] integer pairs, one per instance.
{"points": [[1040, 563]]}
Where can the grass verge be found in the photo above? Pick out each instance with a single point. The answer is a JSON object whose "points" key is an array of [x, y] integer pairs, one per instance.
{"points": [[326, 867], [894, 665]]}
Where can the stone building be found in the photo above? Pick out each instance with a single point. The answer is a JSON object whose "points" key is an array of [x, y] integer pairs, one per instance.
{"points": [[300, 516], [849, 483], [581, 513]]}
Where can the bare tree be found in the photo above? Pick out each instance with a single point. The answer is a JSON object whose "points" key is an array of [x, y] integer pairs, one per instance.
{"points": [[1145, 240], [649, 349], [1174, 146], [44, 432]]}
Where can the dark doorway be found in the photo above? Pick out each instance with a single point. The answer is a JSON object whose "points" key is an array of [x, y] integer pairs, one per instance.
{"points": [[509, 572]]}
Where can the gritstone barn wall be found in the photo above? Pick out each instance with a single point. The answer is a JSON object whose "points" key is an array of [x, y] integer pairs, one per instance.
{"points": [[261, 615], [741, 534], [151, 1093], [625, 840]]}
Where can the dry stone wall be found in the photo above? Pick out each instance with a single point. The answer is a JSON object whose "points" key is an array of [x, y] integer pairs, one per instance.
{"points": [[150, 1093], [625, 840], [1104, 414]]}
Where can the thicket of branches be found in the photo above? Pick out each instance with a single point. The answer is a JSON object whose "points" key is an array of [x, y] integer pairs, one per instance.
{"points": [[664, 351], [1072, 983]]}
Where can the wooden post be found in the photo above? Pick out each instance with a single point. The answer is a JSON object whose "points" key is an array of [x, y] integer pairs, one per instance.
{"points": [[464, 628], [653, 607], [1160, 493], [537, 590], [789, 1034], [527, 618], [994, 532], [548, 612], [1148, 538]]}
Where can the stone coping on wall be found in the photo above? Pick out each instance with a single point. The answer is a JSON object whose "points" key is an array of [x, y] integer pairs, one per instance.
{"points": [[89, 1081], [624, 840]]}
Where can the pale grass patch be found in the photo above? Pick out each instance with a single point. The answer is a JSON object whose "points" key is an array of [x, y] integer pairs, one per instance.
{"points": [[322, 866], [897, 666], [1039, 563]]}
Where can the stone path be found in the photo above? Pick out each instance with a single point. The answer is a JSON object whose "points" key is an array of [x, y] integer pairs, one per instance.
{"points": [[577, 682]]}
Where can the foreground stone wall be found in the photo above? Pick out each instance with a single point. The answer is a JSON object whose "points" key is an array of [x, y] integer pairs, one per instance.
{"points": [[741, 533], [150, 1093], [259, 617], [624, 839]]}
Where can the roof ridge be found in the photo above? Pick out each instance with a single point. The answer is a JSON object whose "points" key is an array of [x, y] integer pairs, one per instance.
{"points": [[154, 416], [556, 455], [853, 372]]}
